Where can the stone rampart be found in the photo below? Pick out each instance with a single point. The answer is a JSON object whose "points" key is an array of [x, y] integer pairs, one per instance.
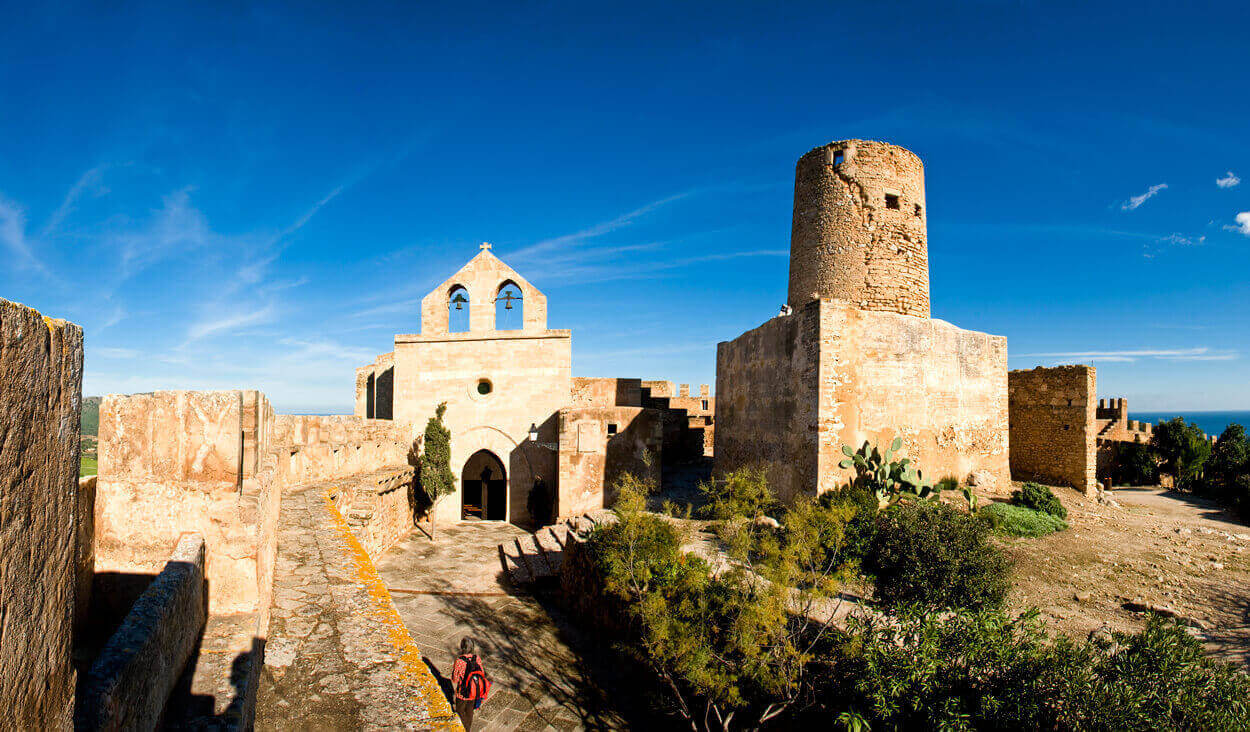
{"points": [[378, 506], [40, 403], [84, 550], [600, 392], [133, 676], [1053, 425]]}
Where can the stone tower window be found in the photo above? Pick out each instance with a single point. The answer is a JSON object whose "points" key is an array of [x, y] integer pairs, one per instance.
{"points": [[611, 430], [484, 387], [891, 201], [838, 157], [917, 209]]}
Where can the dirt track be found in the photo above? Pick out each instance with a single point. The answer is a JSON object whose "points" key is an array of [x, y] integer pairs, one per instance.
{"points": [[1158, 549]]}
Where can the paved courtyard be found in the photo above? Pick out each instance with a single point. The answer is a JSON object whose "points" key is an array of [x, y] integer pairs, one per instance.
{"points": [[540, 664]]}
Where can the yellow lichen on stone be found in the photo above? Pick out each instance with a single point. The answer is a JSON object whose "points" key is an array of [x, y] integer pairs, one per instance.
{"points": [[411, 668]]}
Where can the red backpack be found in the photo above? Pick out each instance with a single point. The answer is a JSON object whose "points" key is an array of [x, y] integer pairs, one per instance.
{"points": [[473, 685]]}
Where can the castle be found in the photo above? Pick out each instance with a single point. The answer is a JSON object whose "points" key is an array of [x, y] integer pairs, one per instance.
{"points": [[855, 356], [233, 511]]}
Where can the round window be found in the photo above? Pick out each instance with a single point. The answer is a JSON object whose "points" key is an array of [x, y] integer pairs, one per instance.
{"points": [[484, 387]]}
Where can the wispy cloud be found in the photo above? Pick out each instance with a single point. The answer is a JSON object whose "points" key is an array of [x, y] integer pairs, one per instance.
{"points": [[177, 227], [1164, 243], [599, 229], [1136, 201], [220, 324], [89, 182], [13, 237], [1243, 223], [1202, 353], [1228, 181], [108, 352]]}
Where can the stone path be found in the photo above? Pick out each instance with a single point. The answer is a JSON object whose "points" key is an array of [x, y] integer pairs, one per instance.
{"points": [[543, 667], [214, 691], [338, 656]]}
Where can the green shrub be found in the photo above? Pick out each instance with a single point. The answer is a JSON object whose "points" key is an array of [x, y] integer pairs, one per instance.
{"points": [[1011, 520], [1135, 464], [862, 526], [1228, 469], [1039, 498], [984, 670], [933, 555], [744, 492], [1184, 450]]}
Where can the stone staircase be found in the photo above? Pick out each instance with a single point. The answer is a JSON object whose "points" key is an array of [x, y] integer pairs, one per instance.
{"points": [[534, 557]]}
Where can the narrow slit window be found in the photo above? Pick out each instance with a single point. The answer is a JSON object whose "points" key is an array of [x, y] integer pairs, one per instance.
{"points": [[917, 209], [611, 430], [891, 201]]}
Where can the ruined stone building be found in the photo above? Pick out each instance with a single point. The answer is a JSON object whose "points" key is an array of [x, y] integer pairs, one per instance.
{"points": [[516, 413], [855, 356]]}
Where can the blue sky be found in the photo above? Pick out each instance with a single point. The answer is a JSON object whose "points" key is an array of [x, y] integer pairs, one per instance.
{"points": [[259, 195]]}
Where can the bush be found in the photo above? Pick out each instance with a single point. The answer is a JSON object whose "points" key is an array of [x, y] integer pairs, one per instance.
{"points": [[744, 492], [1183, 449], [1039, 498], [1228, 468], [1135, 464], [862, 526], [1011, 520], [985, 670], [935, 556]]}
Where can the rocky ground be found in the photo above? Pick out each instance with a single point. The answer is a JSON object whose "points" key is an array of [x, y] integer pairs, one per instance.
{"points": [[1159, 550]]}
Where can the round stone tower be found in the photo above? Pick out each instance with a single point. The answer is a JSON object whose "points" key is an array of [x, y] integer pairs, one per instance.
{"points": [[859, 228]]}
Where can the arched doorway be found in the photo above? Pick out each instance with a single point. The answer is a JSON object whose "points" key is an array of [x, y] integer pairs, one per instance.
{"points": [[483, 488]]}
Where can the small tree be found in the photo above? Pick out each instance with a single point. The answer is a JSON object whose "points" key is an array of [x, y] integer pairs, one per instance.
{"points": [[436, 477], [1183, 448]]}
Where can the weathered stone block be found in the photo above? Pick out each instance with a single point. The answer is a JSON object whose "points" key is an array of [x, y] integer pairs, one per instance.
{"points": [[40, 404]]}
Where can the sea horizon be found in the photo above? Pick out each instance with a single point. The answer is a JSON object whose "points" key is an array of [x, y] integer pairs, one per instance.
{"points": [[1212, 422]]}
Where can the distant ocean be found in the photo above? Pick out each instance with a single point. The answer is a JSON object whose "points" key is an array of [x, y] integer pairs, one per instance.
{"points": [[1212, 423]]}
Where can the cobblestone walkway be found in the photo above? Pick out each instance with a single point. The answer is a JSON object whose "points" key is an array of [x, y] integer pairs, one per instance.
{"points": [[338, 656], [540, 664]]}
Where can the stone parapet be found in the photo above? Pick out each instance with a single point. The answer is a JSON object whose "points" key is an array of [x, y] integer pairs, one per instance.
{"points": [[134, 675], [40, 403]]}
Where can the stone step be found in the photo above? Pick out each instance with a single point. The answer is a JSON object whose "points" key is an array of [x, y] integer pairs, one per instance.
{"points": [[513, 565], [533, 556], [551, 548], [561, 533]]}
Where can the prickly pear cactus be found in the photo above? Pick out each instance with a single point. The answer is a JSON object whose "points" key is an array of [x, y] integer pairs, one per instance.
{"points": [[889, 479]]}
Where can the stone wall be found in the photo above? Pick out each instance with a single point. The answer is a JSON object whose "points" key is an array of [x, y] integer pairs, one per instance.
{"points": [[1053, 425], [792, 392], [84, 550], [40, 403], [859, 229], [600, 444], [599, 392], [174, 462], [377, 506], [130, 681], [767, 384]]}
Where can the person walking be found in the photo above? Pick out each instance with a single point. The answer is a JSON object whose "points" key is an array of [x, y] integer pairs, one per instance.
{"points": [[469, 681], [539, 503]]}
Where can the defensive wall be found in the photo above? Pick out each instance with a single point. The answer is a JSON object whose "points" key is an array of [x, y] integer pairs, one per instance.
{"points": [[1053, 425], [40, 403]]}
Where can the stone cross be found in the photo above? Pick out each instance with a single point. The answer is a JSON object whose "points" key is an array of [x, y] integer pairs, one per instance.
{"points": [[485, 245]]}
